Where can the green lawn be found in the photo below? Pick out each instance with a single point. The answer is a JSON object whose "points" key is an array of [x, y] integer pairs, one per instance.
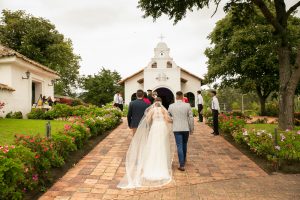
{"points": [[267, 127], [10, 127]]}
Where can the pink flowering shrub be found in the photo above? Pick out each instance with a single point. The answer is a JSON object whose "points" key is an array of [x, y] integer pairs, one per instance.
{"points": [[27, 166], [262, 143], [230, 123], [46, 156], [16, 171]]}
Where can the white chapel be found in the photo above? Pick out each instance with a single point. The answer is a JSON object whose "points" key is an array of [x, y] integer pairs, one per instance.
{"points": [[164, 76]]}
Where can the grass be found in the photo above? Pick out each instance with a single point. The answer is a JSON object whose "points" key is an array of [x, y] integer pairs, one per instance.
{"points": [[10, 127]]}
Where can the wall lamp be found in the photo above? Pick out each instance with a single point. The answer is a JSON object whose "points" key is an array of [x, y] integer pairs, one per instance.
{"points": [[52, 82], [27, 75]]}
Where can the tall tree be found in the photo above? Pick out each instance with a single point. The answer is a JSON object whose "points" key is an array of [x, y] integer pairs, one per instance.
{"points": [[244, 55], [100, 88], [37, 39], [289, 68]]}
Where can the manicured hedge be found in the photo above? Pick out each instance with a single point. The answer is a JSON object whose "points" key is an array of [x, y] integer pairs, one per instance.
{"points": [[26, 166]]}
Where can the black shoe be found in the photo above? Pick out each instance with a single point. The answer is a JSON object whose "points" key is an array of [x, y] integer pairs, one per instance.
{"points": [[181, 169]]}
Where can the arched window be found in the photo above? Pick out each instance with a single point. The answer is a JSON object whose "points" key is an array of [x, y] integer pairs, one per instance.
{"points": [[191, 98], [169, 64], [154, 65]]}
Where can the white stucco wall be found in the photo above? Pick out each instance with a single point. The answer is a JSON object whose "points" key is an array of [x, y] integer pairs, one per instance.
{"points": [[131, 86], [192, 85], [172, 82], [11, 74]]}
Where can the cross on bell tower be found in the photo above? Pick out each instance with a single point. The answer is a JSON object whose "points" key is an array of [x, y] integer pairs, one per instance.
{"points": [[161, 37]]}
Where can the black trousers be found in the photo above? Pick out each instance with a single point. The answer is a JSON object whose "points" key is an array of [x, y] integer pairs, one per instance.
{"points": [[121, 107], [215, 114], [200, 108]]}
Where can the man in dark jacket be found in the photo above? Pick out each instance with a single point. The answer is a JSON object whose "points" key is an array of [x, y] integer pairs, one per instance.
{"points": [[136, 111]]}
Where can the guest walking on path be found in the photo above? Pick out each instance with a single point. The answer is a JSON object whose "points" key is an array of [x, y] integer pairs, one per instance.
{"points": [[183, 126], [215, 107], [146, 100], [136, 111], [200, 105]]}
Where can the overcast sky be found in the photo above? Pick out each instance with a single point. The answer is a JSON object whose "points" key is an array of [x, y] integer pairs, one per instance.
{"points": [[113, 34]]}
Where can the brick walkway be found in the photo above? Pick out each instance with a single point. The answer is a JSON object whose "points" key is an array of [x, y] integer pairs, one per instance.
{"points": [[215, 170]]}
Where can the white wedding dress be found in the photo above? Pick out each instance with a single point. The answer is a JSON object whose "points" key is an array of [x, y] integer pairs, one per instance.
{"points": [[149, 157]]}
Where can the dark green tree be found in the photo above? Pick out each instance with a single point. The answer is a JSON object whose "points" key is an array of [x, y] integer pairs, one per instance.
{"points": [[244, 55], [276, 14], [38, 39], [100, 88]]}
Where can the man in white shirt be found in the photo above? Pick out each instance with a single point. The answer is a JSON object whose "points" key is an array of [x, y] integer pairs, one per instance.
{"points": [[200, 105], [116, 99], [215, 107]]}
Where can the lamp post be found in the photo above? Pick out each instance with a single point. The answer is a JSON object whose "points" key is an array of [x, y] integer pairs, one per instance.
{"points": [[243, 103]]}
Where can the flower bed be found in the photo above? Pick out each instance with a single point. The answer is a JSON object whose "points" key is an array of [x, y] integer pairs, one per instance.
{"points": [[263, 142], [284, 147], [26, 166]]}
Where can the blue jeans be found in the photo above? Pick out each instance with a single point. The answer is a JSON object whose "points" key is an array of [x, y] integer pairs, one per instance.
{"points": [[181, 138]]}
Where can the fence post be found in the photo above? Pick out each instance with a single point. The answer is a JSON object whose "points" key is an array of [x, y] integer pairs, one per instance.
{"points": [[275, 138], [48, 129]]}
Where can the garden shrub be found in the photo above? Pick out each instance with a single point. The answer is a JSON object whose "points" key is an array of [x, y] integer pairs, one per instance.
{"points": [[272, 109], [26, 166], [14, 115], [16, 171], [230, 123], [45, 158], [59, 110], [64, 144], [36, 113], [262, 143]]}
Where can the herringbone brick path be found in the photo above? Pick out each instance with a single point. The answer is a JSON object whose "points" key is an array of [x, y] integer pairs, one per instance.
{"points": [[215, 170]]}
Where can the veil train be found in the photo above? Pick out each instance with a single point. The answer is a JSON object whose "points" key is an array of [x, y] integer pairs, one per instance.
{"points": [[136, 154]]}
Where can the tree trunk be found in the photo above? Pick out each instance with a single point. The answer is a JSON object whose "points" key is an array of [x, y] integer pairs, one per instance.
{"points": [[286, 110], [288, 82], [262, 101]]}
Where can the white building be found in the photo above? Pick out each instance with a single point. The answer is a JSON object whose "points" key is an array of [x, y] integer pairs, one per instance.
{"points": [[163, 75], [22, 81]]}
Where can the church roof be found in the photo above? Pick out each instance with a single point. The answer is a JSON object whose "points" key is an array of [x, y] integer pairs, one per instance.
{"points": [[129, 77], [140, 71], [7, 52], [189, 73]]}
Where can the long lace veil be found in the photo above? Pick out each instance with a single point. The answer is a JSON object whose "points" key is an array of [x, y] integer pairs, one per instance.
{"points": [[135, 157]]}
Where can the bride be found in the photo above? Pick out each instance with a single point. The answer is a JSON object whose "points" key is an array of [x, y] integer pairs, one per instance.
{"points": [[150, 154]]}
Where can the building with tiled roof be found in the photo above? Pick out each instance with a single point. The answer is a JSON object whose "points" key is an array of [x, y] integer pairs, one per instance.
{"points": [[22, 81]]}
